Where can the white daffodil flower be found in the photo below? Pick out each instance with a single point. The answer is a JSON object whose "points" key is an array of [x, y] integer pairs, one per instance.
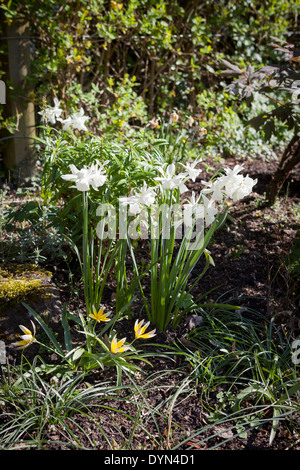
{"points": [[202, 132], [170, 180], [191, 121], [86, 177], [210, 210], [243, 188], [145, 198], [153, 123], [75, 121], [174, 118], [191, 171], [236, 186], [51, 114], [200, 208], [193, 209], [214, 189], [232, 185]]}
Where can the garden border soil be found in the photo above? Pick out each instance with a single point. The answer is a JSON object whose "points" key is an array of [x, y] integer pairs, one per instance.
{"points": [[249, 254]]}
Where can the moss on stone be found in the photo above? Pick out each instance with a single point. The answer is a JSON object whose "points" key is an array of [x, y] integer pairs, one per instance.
{"points": [[22, 282], [11, 270]]}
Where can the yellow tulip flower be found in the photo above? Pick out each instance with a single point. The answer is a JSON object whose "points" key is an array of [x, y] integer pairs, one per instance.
{"points": [[26, 339], [99, 316], [118, 346], [140, 328]]}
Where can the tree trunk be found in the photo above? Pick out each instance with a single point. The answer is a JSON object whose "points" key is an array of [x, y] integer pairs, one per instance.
{"points": [[289, 159], [19, 151]]}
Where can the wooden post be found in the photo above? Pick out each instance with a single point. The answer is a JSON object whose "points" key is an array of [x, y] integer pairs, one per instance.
{"points": [[2, 92], [19, 151]]}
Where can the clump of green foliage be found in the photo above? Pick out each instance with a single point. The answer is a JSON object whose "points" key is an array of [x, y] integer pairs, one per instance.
{"points": [[120, 59]]}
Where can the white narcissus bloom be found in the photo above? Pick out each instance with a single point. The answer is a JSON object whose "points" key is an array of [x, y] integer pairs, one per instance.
{"points": [[174, 117], [243, 188], [231, 185], [98, 176], [200, 208], [191, 121], [51, 114], [210, 210], [154, 123], [145, 198], [170, 180], [192, 208], [191, 171], [202, 132], [192, 202], [236, 186], [86, 177], [214, 189], [75, 121], [131, 201], [231, 179]]}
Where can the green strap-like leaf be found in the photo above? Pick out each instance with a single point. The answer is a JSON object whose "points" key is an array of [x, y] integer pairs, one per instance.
{"points": [[47, 330], [67, 333]]}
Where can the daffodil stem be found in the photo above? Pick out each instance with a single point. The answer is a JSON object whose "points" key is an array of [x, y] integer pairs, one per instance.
{"points": [[86, 261], [85, 251]]}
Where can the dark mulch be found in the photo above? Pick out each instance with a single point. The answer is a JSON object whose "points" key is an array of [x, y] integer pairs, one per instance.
{"points": [[250, 254]]}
